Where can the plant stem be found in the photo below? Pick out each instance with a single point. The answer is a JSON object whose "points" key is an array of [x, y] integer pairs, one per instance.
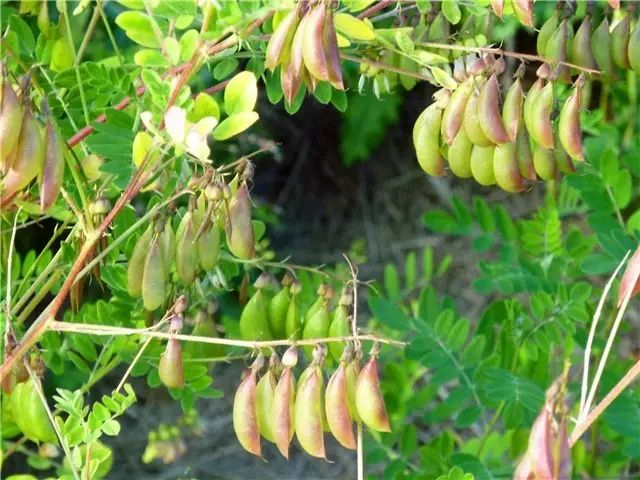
{"points": [[88, 34], [384, 66], [381, 5]]}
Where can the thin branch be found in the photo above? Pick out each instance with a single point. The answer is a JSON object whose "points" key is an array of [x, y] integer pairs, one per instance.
{"points": [[88, 34], [381, 5], [123, 380]]}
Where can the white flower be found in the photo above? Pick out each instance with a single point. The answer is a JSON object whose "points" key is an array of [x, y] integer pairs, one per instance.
{"points": [[187, 136]]}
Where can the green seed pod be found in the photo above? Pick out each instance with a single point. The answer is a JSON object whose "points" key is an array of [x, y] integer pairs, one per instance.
{"points": [[601, 47], [569, 126], [563, 160], [135, 270], [278, 307], [369, 400], [282, 411], [309, 412], [29, 156], [541, 129], [544, 163], [30, 415], [205, 326], [471, 123], [208, 244], [279, 46], [153, 277], [11, 115], [239, 228], [529, 100], [454, 111], [459, 155], [506, 169], [186, 249], [512, 109], [524, 12], [426, 140], [556, 49], [293, 321], [264, 402], [168, 246], [337, 408], [170, 368], [545, 33], [340, 324], [489, 112], [245, 415], [581, 51], [482, 165], [620, 43], [254, 320], [318, 325], [352, 372], [634, 48], [53, 171], [319, 302], [525, 156]]}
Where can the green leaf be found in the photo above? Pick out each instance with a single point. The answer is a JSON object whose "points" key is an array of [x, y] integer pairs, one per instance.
{"points": [[391, 281], [150, 58], [451, 11], [188, 44], [410, 270], [241, 93], [172, 48], [404, 42], [225, 67], [139, 27], [353, 27], [27, 40], [389, 314], [234, 125], [111, 428], [323, 92]]}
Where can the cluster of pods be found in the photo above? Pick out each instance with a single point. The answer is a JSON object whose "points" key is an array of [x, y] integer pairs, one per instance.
{"points": [[604, 48], [503, 143], [269, 316], [305, 45], [196, 243], [273, 407], [27, 150]]}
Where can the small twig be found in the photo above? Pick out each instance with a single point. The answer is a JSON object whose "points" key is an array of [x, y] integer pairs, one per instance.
{"points": [[123, 380], [381, 5], [7, 304], [88, 34]]}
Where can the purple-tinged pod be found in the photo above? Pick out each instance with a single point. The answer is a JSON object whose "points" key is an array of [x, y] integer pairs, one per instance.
{"points": [[11, 118], [482, 165], [569, 125], [524, 12], [506, 169], [282, 411], [245, 415], [290, 82], [512, 109], [426, 140], [525, 156], [369, 400], [309, 412], [489, 112], [545, 163], [601, 47], [541, 129], [471, 123], [454, 111], [337, 408], [313, 51], [296, 62], [459, 155], [498, 7], [620, 43], [170, 369], [53, 170], [581, 51], [331, 51], [240, 237], [279, 46]]}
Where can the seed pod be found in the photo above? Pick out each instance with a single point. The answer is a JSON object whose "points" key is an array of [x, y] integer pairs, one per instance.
{"points": [[254, 321], [53, 170], [426, 140], [239, 228], [506, 169], [512, 109], [525, 156], [11, 118], [569, 125], [153, 277], [264, 403], [498, 7], [459, 155], [482, 165], [331, 51], [545, 33], [634, 48], [337, 409], [309, 411], [529, 100], [313, 49], [352, 372], [186, 249], [168, 246], [278, 307], [282, 411], [135, 270], [524, 11], [601, 47], [29, 413], [489, 112], [245, 415], [279, 46], [544, 162], [29, 156], [317, 304], [205, 326], [454, 111], [317, 326], [340, 324], [293, 323], [208, 244], [541, 129], [170, 368], [620, 43], [471, 123], [556, 49], [369, 401], [581, 52], [563, 160], [296, 66]]}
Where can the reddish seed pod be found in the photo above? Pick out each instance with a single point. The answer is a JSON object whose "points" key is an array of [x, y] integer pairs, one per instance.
{"points": [[498, 7], [506, 169], [313, 51], [489, 112], [53, 171], [282, 410], [308, 416], [524, 11], [170, 368], [369, 400], [525, 156], [540, 127], [280, 41], [337, 408], [11, 113], [512, 109], [245, 415], [454, 111], [332, 53]]}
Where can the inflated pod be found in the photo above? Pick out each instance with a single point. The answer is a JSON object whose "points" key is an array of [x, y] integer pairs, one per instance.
{"points": [[30, 414], [293, 321], [556, 49], [569, 125], [545, 163], [254, 319], [563, 160], [313, 51], [369, 400], [337, 408], [524, 11], [245, 415], [208, 246], [489, 112], [527, 107], [205, 326], [352, 372], [331, 51], [135, 269], [482, 165], [153, 277], [426, 140], [309, 412], [581, 51], [317, 304], [454, 111], [279, 46], [512, 109], [29, 156], [340, 326], [53, 170], [11, 115], [170, 368], [540, 127], [278, 307], [620, 43], [282, 411], [545, 33], [601, 47], [265, 391], [498, 7], [525, 156], [186, 249], [471, 123], [317, 326], [506, 169], [634, 48], [459, 155], [240, 237]]}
